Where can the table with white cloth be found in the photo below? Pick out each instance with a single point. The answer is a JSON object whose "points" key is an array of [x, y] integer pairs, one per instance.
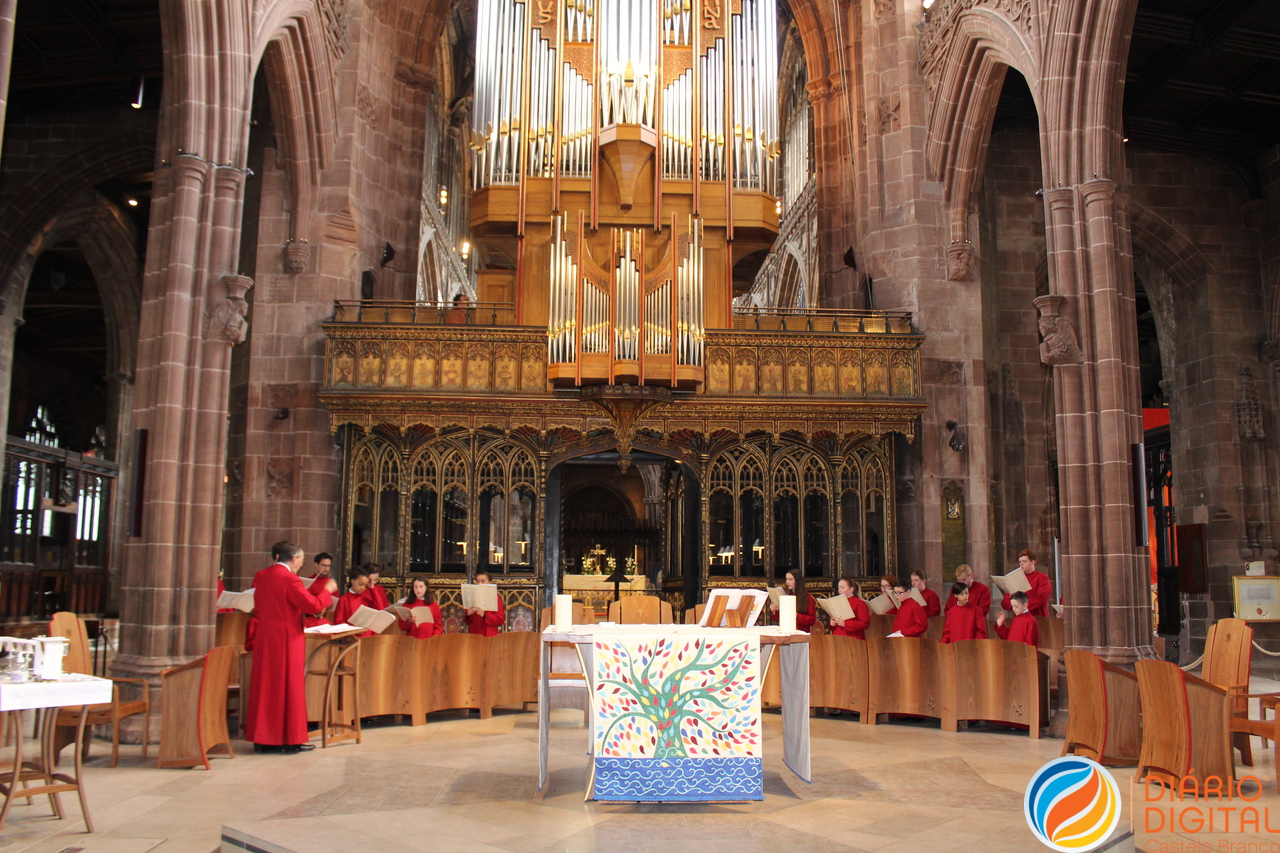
{"points": [[674, 710], [71, 691]]}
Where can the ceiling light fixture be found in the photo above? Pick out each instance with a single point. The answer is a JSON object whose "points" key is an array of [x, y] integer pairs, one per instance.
{"points": [[131, 201], [136, 103]]}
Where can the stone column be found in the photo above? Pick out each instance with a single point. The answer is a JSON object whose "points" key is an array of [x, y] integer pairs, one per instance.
{"points": [[8, 11], [1103, 570]]}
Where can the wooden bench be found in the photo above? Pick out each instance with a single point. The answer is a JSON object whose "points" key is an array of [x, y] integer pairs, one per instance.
{"points": [[993, 680], [1186, 726], [1105, 719], [908, 675]]}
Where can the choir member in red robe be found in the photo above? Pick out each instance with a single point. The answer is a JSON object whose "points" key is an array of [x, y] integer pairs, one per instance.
{"points": [[964, 621], [910, 621], [1024, 629], [353, 599], [932, 604], [374, 593], [857, 626], [276, 718], [486, 623], [323, 565], [420, 595], [887, 583], [979, 594], [1041, 592], [806, 607]]}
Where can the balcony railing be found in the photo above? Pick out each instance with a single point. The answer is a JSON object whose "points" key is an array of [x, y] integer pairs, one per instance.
{"points": [[823, 320], [387, 312]]}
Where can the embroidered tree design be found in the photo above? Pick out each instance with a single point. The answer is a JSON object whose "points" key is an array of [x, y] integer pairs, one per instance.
{"points": [[678, 698]]}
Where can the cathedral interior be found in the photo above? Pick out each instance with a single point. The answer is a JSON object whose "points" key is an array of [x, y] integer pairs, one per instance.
{"points": [[760, 286]]}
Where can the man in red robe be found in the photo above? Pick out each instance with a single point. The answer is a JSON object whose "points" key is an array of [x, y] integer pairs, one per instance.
{"points": [[486, 622], [932, 604], [1041, 592], [979, 594], [276, 719], [1024, 629], [964, 621], [910, 621]]}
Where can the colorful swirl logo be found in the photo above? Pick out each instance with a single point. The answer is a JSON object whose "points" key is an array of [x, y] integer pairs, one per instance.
{"points": [[1072, 804]]}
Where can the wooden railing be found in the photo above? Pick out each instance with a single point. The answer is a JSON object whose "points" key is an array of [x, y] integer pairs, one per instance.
{"points": [[823, 320], [387, 312]]}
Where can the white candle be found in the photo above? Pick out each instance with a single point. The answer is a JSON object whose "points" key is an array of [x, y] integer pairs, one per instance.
{"points": [[563, 611], [787, 612]]}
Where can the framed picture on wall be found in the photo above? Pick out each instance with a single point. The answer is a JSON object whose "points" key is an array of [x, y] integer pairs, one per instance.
{"points": [[1257, 599]]}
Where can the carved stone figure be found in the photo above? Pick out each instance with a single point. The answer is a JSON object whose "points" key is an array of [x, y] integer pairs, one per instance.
{"points": [[1061, 346], [227, 320], [960, 262]]}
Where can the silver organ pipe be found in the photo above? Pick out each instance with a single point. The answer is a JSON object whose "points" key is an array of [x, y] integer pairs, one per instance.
{"points": [[579, 24], [495, 130], [629, 62], [564, 290], [689, 300], [754, 107], [626, 292], [575, 124], [711, 73], [657, 320], [596, 317], [677, 128], [676, 22], [541, 133]]}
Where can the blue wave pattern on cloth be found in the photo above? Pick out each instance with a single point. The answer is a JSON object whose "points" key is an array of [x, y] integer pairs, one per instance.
{"points": [[648, 780]]}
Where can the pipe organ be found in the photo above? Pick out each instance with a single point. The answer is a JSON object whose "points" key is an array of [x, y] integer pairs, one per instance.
{"points": [[625, 155]]}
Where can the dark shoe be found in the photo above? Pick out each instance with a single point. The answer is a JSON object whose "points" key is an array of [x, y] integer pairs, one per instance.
{"points": [[295, 748], [267, 747]]}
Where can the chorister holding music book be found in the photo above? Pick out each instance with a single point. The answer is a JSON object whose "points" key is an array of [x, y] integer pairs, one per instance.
{"points": [[881, 605], [376, 621], [238, 600], [481, 595], [914, 595], [775, 595], [1015, 581], [416, 615], [837, 607]]}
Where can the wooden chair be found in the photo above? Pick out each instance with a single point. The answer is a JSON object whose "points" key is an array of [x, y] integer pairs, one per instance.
{"points": [[230, 628], [909, 675], [694, 614], [582, 615], [65, 624], [1105, 720], [193, 710], [1186, 726], [993, 680], [640, 610], [1228, 657]]}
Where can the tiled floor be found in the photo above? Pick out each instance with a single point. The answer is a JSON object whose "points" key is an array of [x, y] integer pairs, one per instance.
{"points": [[469, 784]]}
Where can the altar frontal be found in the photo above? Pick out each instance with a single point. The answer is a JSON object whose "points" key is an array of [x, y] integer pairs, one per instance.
{"points": [[677, 718]]}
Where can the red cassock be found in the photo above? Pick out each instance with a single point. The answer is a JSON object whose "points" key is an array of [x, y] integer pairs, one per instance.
{"points": [[348, 604], [426, 629], [804, 621], [857, 626], [316, 584], [932, 604], [277, 712], [376, 597], [1023, 630], [487, 623], [979, 597], [964, 623], [1038, 597], [910, 621]]}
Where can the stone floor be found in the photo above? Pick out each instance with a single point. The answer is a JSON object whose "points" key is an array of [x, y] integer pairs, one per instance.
{"points": [[469, 784]]}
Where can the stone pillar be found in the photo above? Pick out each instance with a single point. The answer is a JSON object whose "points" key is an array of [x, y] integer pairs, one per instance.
{"points": [[1103, 571], [8, 11]]}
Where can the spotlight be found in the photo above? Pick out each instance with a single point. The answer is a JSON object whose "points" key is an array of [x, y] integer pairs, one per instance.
{"points": [[136, 103], [131, 201], [444, 196], [466, 250]]}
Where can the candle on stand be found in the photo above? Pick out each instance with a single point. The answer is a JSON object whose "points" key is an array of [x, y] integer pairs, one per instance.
{"points": [[562, 614], [787, 612]]}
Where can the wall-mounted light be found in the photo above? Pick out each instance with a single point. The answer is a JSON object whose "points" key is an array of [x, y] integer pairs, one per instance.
{"points": [[777, 206], [444, 196], [957, 440], [928, 3], [466, 250], [131, 201]]}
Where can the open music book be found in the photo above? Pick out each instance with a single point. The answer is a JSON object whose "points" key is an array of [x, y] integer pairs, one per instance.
{"points": [[416, 615], [238, 600], [1015, 581], [733, 608], [837, 607], [775, 596], [482, 595], [914, 595], [340, 628], [881, 605], [376, 621]]}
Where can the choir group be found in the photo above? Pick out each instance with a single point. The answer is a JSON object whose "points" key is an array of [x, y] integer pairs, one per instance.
{"points": [[284, 604]]}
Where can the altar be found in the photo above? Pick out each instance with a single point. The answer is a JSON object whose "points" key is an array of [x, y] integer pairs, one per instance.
{"points": [[595, 592], [674, 710]]}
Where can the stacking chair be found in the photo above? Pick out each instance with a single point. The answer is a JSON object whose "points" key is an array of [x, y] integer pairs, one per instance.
{"points": [[193, 710], [694, 614], [1228, 656], [640, 610], [1186, 726], [64, 624], [1105, 720]]}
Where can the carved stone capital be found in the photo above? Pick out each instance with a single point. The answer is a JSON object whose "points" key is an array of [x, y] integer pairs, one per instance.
{"points": [[297, 254], [960, 261], [1061, 345], [226, 321]]}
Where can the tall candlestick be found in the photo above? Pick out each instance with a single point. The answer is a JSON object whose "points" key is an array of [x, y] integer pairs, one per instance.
{"points": [[787, 613]]}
